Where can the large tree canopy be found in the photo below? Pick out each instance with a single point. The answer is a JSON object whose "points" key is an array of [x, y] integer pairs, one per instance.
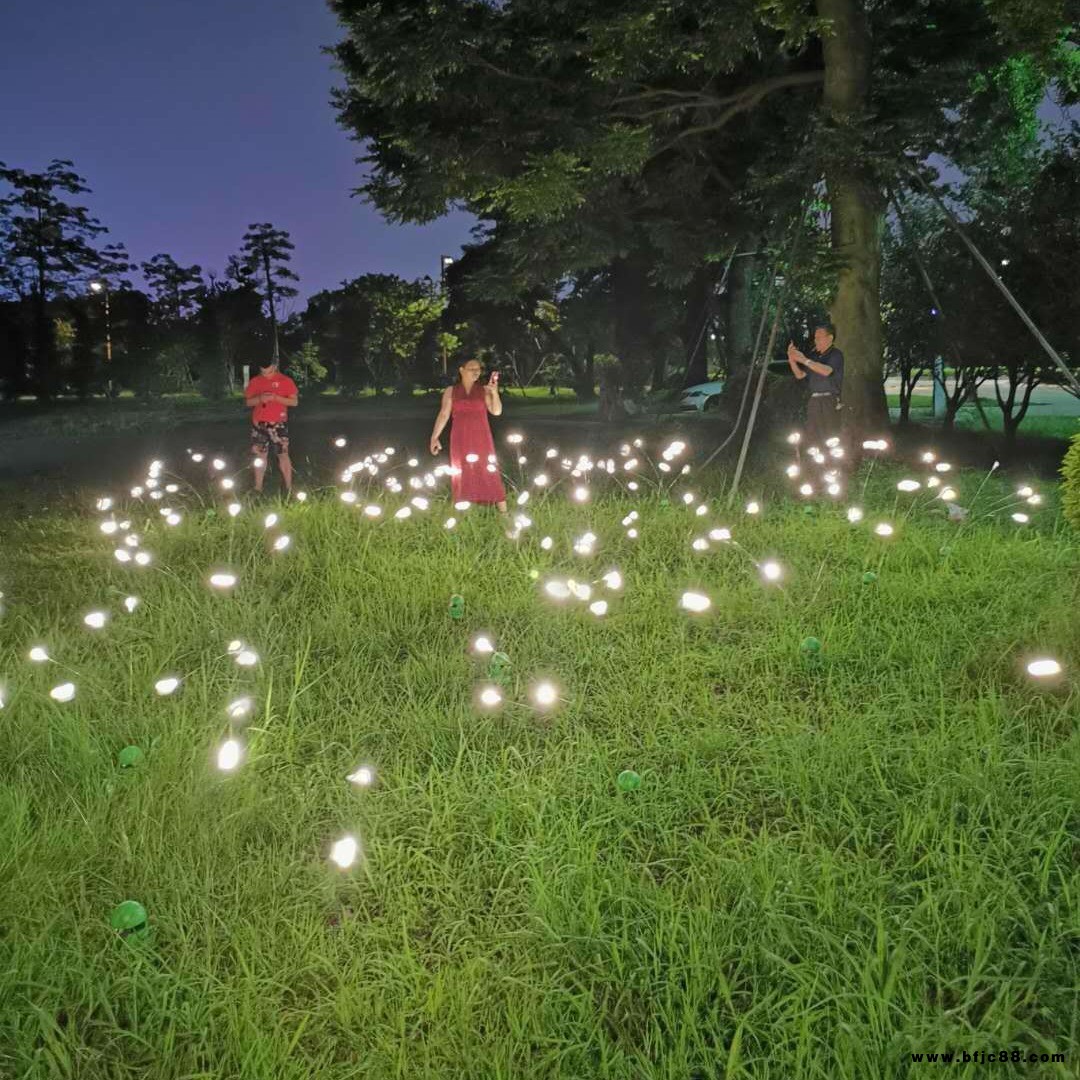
{"points": [[589, 135]]}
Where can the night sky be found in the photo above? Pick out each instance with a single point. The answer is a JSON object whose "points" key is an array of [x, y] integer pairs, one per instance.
{"points": [[191, 120]]}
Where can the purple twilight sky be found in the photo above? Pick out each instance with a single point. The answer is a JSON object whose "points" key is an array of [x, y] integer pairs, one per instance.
{"points": [[191, 120]]}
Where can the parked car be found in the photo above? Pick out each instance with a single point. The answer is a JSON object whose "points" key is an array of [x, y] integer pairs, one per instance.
{"points": [[704, 396]]}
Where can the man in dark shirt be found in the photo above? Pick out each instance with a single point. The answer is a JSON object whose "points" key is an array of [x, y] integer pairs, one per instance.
{"points": [[826, 375]]}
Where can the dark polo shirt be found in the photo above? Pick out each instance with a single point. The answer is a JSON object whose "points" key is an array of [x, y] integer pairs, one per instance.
{"points": [[827, 384]]}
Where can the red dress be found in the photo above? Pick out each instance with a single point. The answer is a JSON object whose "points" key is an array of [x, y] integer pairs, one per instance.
{"points": [[476, 477]]}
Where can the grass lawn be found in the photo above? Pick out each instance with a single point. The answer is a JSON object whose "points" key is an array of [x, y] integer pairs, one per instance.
{"points": [[834, 859]]}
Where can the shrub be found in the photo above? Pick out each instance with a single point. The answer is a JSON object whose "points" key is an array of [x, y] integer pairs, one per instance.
{"points": [[1070, 488]]}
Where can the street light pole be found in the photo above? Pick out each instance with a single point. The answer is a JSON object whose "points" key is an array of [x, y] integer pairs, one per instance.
{"points": [[103, 287], [444, 263]]}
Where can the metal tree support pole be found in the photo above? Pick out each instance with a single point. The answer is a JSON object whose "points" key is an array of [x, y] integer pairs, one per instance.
{"points": [[800, 225], [1049, 349]]}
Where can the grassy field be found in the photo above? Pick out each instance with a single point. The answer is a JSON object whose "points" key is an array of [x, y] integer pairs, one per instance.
{"points": [[835, 858]]}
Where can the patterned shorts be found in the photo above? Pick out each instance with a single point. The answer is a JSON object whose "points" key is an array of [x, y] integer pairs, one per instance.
{"points": [[264, 436]]}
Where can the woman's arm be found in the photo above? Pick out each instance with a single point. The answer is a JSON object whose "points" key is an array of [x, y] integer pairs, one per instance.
{"points": [[442, 419], [492, 400]]}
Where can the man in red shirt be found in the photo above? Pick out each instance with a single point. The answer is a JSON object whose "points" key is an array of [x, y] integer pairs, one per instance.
{"points": [[270, 395]]}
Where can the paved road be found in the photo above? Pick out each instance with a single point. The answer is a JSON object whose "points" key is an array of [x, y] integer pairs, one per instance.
{"points": [[1045, 400]]}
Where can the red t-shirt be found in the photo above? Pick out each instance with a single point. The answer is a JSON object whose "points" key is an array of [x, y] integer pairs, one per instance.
{"points": [[273, 412]]}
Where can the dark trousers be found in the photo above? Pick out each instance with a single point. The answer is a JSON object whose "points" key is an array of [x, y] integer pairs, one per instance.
{"points": [[822, 420]]}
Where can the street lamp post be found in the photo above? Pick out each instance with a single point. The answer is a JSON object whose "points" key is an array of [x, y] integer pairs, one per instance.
{"points": [[103, 288], [444, 264]]}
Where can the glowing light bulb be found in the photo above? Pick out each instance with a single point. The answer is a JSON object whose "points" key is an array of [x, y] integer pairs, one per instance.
{"points": [[908, 485], [238, 708], [372, 510], [228, 484], [258, 463], [490, 697], [403, 513], [197, 458], [794, 438], [1025, 493], [462, 506], [234, 646], [122, 555], [1042, 669], [792, 471], [483, 645], [39, 654], [109, 527], [166, 686], [806, 489], [301, 496], [247, 658], [217, 464], [223, 580], [364, 776], [348, 497], [1021, 519], [344, 852], [694, 601], [540, 480], [282, 542], [632, 534], [228, 756], [947, 494], [581, 494], [613, 579], [545, 694], [173, 519], [720, 535], [340, 442], [929, 457], [95, 619], [104, 504], [63, 692], [1034, 500], [700, 544], [143, 558], [753, 508], [514, 439], [558, 590], [933, 482], [270, 521], [833, 490], [599, 607], [450, 523], [884, 529], [854, 515], [771, 571], [234, 509], [943, 466], [131, 603]]}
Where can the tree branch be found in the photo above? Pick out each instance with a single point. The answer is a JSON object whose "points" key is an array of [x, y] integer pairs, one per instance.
{"points": [[748, 98]]}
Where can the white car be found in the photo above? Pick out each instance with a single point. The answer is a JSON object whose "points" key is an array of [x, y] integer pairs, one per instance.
{"points": [[704, 396]]}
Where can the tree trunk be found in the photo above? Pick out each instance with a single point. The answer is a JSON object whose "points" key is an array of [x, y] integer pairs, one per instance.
{"points": [[858, 207], [270, 303], [696, 325], [633, 320], [740, 316]]}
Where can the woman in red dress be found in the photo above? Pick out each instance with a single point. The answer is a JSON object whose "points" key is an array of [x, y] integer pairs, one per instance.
{"points": [[476, 477]]}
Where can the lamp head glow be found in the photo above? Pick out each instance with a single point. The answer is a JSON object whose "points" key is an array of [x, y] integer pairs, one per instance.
{"points": [[239, 708], [143, 558], [39, 654], [545, 694], [1021, 519], [228, 756], [1025, 492], [301, 496], [462, 505], [131, 603], [340, 442], [348, 497], [700, 544], [95, 619], [282, 542], [806, 489], [908, 485], [483, 645], [109, 527], [234, 509], [173, 519], [581, 494], [753, 508], [247, 658], [373, 510], [63, 692], [490, 697], [794, 438], [943, 466], [1043, 669], [613, 579], [223, 580], [364, 776], [344, 852], [270, 521], [884, 529], [217, 464], [166, 686], [599, 607], [694, 601], [792, 471], [771, 571], [948, 494], [854, 515], [514, 439]]}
